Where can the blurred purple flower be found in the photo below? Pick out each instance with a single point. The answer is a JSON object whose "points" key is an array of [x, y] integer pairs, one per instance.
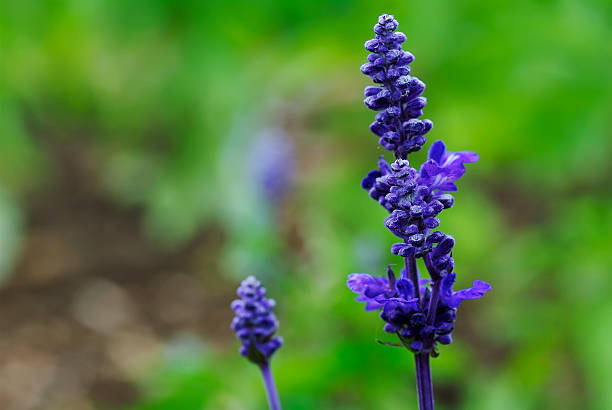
{"points": [[272, 163]]}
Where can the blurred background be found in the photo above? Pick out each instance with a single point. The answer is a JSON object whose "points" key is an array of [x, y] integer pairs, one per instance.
{"points": [[154, 153]]}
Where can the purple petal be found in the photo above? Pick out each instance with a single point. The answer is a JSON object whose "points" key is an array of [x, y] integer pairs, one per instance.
{"points": [[359, 282], [436, 151], [370, 289], [443, 168], [383, 165], [454, 299], [468, 156], [430, 168], [478, 289], [456, 159], [446, 288], [373, 305], [446, 187]]}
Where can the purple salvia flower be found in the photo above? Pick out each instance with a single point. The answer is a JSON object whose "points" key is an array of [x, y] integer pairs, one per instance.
{"points": [[453, 299], [421, 312], [400, 309], [443, 168], [255, 325], [371, 289]]}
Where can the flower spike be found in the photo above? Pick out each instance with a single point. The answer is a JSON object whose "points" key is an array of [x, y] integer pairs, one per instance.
{"points": [[255, 325], [421, 312]]}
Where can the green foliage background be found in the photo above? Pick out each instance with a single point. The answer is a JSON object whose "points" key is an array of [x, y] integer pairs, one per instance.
{"points": [[169, 94]]}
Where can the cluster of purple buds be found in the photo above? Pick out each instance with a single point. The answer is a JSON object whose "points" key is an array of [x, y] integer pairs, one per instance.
{"points": [[413, 207], [421, 312], [255, 323], [415, 198], [398, 98]]}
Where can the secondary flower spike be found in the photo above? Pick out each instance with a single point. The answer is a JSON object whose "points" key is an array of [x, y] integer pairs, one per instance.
{"points": [[421, 312], [255, 325]]}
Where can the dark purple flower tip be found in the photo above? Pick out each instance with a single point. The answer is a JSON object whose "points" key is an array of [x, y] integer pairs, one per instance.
{"points": [[254, 322], [388, 21], [454, 299]]}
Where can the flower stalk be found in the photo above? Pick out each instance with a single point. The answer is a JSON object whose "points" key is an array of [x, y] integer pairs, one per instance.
{"points": [[270, 386], [413, 273], [424, 383]]}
